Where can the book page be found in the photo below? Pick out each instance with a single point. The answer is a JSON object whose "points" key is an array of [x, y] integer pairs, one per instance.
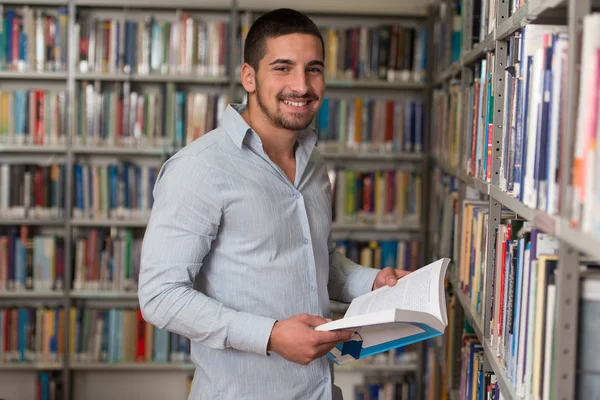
{"points": [[418, 291]]}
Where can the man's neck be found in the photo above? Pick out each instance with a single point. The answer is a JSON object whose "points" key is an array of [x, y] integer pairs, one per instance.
{"points": [[279, 144]]}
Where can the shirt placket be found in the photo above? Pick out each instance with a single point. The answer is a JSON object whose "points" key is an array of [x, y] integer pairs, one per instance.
{"points": [[305, 237]]}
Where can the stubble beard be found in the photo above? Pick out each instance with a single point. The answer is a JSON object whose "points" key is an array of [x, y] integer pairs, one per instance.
{"points": [[297, 123]]}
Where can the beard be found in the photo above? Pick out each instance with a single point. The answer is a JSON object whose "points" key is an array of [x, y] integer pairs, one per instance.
{"points": [[293, 122]]}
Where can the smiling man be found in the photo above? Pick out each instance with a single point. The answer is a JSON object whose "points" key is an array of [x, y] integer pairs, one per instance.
{"points": [[244, 213]]}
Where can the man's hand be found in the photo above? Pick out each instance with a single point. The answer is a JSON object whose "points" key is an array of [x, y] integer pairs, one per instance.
{"points": [[295, 339], [388, 276]]}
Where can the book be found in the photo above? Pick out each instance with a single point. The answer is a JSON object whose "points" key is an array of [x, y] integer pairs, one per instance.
{"points": [[394, 316]]}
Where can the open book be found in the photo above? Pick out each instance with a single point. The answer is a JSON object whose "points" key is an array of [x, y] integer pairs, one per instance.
{"points": [[390, 317]]}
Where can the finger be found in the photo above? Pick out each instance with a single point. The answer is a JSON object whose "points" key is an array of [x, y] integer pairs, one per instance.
{"points": [[333, 336], [314, 320], [400, 273], [389, 276]]}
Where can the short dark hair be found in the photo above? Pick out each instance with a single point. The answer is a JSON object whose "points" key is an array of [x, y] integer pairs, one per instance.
{"points": [[283, 21]]}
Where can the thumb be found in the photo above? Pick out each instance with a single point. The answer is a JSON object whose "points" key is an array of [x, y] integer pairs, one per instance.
{"points": [[314, 320]]}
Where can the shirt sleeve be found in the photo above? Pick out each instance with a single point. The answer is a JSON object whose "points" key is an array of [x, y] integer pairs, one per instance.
{"points": [[185, 220], [347, 279]]}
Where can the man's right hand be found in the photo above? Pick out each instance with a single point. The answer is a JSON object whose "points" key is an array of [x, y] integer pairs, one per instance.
{"points": [[295, 339]]}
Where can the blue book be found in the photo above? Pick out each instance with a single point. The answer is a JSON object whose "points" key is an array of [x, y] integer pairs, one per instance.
{"points": [[393, 317]]}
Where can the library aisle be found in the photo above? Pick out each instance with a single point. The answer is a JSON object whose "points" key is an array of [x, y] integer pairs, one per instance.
{"points": [[464, 129]]}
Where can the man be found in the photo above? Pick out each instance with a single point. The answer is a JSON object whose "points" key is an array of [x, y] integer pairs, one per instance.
{"points": [[244, 211]]}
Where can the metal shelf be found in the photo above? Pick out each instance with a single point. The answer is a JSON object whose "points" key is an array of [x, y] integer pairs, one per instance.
{"points": [[466, 306], [35, 366], [506, 387], [514, 204], [376, 84], [371, 156], [35, 149], [104, 223], [123, 150], [25, 294], [550, 11], [158, 78], [103, 295], [122, 366], [31, 221], [157, 4], [47, 76], [478, 51], [358, 227], [408, 367]]}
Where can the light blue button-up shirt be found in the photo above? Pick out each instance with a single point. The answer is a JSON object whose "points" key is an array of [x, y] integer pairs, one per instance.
{"points": [[258, 248]]}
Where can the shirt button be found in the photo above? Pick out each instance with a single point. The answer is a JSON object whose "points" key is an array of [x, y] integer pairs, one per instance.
{"points": [[305, 241], [312, 288], [296, 195], [325, 379]]}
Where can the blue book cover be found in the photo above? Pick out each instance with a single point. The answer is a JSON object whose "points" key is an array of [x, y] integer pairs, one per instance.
{"points": [[393, 317]]}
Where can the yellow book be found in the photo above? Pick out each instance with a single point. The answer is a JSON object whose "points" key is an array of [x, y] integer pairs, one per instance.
{"points": [[358, 113]]}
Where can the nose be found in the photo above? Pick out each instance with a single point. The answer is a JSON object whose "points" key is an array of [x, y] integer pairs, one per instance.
{"points": [[299, 83]]}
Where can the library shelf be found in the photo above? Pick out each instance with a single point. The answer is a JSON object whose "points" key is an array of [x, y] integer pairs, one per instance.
{"points": [[506, 387], [33, 75], [9, 221], [403, 367], [103, 295], [123, 366], [32, 149], [376, 84], [332, 155], [474, 320], [30, 294], [31, 366]]}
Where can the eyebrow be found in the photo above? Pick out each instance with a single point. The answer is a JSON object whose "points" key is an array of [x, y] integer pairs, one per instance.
{"points": [[290, 62]]}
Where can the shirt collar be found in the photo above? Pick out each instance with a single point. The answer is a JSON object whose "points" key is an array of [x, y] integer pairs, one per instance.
{"points": [[238, 128]]}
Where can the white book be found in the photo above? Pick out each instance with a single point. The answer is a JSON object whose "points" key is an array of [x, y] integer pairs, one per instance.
{"points": [[394, 316]]}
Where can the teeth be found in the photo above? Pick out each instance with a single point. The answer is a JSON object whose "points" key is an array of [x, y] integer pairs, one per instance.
{"points": [[296, 103]]}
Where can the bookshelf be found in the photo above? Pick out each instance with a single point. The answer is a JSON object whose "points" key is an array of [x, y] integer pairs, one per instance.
{"points": [[513, 84], [83, 120]]}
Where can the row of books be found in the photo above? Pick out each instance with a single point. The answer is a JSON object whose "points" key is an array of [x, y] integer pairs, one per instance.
{"points": [[31, 261], [111, 335], [32, 191], [386, 52], [126, 117], [454, 361], [33, 38], [49, 385], [123, 190], [187, 43], [521, 304], [120, 190], [535, 83], [373, 388], [371, 125], [475, 382], [447, 28], [380, 196], [33, 117], [398, 254], [170, 44], [108, 260]]}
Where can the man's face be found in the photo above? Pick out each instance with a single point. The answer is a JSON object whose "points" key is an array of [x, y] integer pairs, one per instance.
{"points": [[289, 83]]}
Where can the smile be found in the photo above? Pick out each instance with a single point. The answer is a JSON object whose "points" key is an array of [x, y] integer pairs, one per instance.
{"points": [[296, 103]]}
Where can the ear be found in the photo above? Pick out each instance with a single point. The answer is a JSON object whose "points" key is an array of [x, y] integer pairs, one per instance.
{"points": [[248, 77]]}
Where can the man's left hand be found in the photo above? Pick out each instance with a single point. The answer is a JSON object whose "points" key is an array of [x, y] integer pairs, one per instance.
{"points": [[388, 276]]}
